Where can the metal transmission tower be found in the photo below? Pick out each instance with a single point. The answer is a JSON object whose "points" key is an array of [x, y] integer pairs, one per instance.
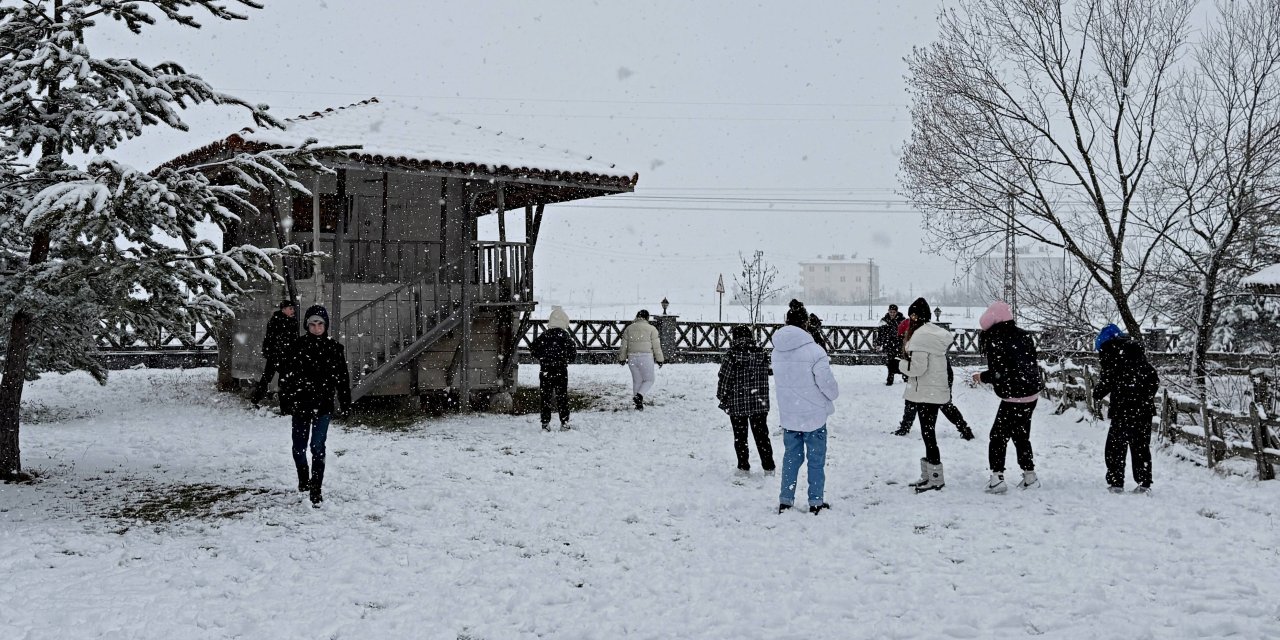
{"points": [[1010, 262]]}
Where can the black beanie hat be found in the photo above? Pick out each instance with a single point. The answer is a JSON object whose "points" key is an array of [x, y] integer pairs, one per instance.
{"points": [[286, 304], [797, 315], [920, 309], [317, 310], [643, 313]]}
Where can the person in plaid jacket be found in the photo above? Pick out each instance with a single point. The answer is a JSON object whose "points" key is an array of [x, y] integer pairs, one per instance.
{"points": [[743, 392]]}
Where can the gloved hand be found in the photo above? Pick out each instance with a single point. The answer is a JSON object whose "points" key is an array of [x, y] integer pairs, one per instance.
{"points": [[660, 364]]}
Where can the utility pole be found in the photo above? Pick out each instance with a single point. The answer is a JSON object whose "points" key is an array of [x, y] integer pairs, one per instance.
{"points": [[1010, 263], [871, 285]]}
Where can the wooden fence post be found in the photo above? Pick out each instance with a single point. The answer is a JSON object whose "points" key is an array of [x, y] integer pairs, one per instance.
{"points": [[1265, 470], [1208, 434], [1166, 428]]}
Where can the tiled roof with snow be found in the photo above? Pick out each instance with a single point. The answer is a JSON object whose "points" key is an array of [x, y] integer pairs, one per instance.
{"points": [[1268, 277], [393, 132]]}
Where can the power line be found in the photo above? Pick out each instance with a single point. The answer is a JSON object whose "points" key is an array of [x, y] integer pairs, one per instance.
{"points": [[365, 94]]}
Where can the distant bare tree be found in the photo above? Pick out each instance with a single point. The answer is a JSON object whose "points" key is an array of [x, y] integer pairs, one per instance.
{"points": [[1224, 169], [1055, 110], [756, 284]]}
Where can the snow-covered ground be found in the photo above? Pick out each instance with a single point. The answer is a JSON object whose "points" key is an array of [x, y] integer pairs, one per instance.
{"points": [[631, 525]]}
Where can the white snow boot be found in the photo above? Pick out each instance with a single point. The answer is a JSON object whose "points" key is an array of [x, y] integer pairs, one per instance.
{"points": [[1029, 480], [934, 480], [996, 484], [924, 474]]}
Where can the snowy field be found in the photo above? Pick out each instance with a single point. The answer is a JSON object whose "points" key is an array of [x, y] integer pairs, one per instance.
{"points": [[631, 525]]}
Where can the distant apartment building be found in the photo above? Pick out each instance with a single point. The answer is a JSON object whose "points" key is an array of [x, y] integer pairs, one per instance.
{"points": [[839, 280], [1034, 265]]}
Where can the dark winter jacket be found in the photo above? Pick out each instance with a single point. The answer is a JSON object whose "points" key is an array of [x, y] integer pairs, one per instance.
{"points": [[887, 337], [1011, 361], [281, 330], [555, 350], [743, 387], [312, 372], [1129, 379]]}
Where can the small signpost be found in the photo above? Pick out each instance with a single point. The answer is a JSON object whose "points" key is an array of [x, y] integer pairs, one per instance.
{"points": [[720, 290]]}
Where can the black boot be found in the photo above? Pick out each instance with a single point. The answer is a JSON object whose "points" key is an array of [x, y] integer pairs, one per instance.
{"points": [[317, 479], [902, 430], [965, 432], [639, 400], [304, 478]]}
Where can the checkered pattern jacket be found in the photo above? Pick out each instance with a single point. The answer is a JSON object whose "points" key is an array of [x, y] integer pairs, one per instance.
{"points": [[743, 388]]}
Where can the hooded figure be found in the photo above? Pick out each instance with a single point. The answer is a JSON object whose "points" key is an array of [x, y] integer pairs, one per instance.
{"points": [[928, 388], [815, 330], [806, 391], [555, 350], [1014, 373], [282, 328], [743, 391], [889, 339], [313, 373], [1132, 383]]}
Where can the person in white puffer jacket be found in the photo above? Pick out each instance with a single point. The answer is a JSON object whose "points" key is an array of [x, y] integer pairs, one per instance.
{"points": [[927, 386], [641, 349], [805, 389]]}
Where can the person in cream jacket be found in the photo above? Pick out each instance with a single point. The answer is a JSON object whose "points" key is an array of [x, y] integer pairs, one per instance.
{"points": [[641, 349], [927, 387]]}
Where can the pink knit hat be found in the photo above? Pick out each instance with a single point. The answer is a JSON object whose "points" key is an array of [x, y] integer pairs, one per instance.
{"points": [[995, 314]]}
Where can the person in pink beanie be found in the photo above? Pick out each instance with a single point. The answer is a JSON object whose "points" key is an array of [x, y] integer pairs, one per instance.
{"points": [[1014, 374]]}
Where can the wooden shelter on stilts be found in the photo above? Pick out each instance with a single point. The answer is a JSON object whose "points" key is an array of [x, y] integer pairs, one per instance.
{"points": [[422, 305]]}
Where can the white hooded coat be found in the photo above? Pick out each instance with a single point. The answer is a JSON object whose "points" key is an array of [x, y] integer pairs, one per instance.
{"points": [[926, 369], [802, 380]]}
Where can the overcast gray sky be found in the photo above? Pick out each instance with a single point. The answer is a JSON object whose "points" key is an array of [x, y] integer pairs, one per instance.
{"points": [[770, 126]]}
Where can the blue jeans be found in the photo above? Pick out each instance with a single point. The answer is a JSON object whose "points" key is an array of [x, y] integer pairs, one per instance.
{"points": [[317, 428], [798, 444]]}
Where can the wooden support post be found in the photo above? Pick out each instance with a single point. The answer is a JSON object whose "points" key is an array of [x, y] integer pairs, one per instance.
{"points": [[469, 255], [339, 232], [291, 290], [502, 214]]}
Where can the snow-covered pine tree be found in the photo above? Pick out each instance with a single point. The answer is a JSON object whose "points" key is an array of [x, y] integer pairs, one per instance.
{"points": [[83, 242]]}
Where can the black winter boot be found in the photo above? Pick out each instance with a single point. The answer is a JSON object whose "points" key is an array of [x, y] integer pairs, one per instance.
{"points": [[639, 400], [965, 432], [317, 480], [304, 478]]}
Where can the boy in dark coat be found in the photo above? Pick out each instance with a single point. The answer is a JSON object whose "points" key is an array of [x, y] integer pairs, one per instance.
{"points": [[889, 339], [282, 328], [1131, 382], [313, 371], [555, 350], [743, 392], [1014, 374]]}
